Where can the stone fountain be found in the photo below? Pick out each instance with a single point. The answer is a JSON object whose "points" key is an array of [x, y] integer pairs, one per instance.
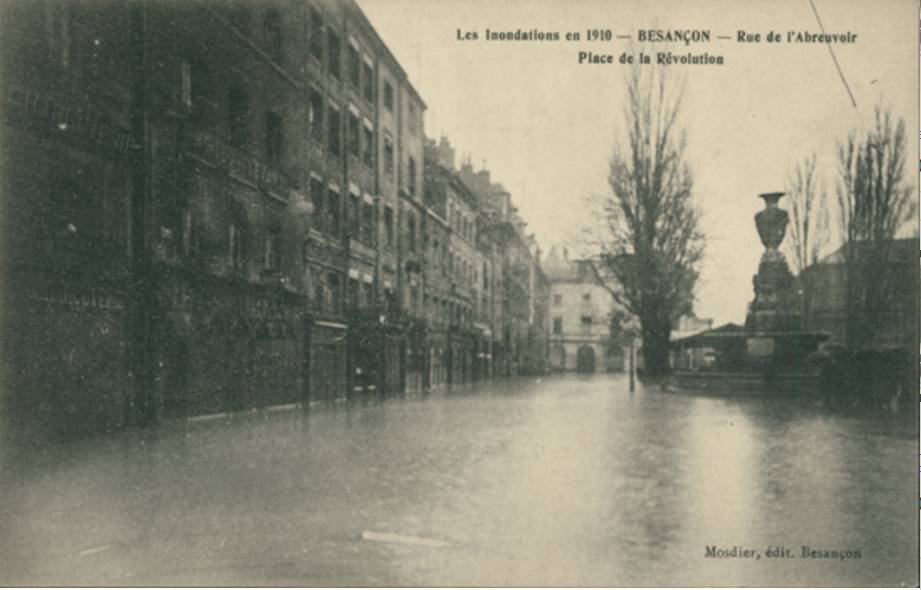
{"points": [[774, 332], [769, 354]]}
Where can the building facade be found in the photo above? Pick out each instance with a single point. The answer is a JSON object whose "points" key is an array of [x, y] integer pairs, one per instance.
{"points": [[825, 307], [581, 312], [230, 210]]}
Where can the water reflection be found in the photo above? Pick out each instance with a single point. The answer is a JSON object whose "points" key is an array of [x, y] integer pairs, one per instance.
{"points": [[560, 481]]}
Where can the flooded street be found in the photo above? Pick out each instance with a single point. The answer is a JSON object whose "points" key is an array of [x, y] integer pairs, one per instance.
{"points": [[567, 480]]}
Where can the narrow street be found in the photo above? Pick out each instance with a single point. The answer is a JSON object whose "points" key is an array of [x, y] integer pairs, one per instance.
{"points": [[565, 480]]}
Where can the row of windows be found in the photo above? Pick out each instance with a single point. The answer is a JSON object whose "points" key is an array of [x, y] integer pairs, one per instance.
{"points": [[325, 46], [360, 137], [444, 311], [585, 321], [558, 298], [462, 224], [233, 244]]}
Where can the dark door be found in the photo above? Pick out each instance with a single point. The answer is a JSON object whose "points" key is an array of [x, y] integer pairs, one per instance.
{"points": [[585, 360]]}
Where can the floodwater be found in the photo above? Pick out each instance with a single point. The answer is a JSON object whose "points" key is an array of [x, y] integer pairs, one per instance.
{"points": [[565, 480]]}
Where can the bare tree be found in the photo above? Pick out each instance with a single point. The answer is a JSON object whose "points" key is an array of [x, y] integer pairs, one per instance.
{"points": [[809, 224], [874, 202], [649, 239]]}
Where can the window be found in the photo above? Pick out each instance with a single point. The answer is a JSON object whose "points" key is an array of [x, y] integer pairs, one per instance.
{"points": [[335, 125], [587, 297], [319, 295], [388, 154], [316, 197], [334, 293], [354, 134], [354, 67], [333, 217], [557, 299], [272, 247], [315, 114], [191, 235], [412, 117], [411, 186], [354, 215], [273, 35], [235, 249], [388, 225], [274, 138], [369, 82], [586, 323], [557, 325], [411, 231], [367, 295], [335, 65], [388, 96], [185, 72], [353, 289], [316, 34], [369, 147], [367, 223], [237, 116]]}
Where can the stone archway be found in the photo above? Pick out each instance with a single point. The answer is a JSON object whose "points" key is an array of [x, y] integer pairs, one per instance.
{"points": [[585, 359]]}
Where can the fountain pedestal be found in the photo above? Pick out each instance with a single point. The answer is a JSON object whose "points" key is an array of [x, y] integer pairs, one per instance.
{"points": [[773, 327]]}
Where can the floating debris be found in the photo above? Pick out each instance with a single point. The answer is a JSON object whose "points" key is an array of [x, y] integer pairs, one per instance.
{"points": [[402, 539]]}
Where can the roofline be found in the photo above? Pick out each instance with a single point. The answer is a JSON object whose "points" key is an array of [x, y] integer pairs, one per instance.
{"points": [[399, 68]]}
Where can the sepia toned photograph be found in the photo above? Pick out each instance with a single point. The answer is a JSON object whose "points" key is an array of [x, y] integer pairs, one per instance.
{"points": [[459, 293]]}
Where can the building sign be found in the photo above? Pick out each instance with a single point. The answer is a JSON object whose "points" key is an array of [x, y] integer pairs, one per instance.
{"points": [[214, 151], [64, 122], [76, 298]]}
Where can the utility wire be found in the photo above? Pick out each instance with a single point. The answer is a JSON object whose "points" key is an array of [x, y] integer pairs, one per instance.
{"points": [[833, 58]]}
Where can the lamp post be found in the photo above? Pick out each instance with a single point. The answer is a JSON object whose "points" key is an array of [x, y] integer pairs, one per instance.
{"points": [[630, 334]]}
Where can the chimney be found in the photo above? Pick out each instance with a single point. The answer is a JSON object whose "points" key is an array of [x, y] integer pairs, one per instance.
{"points": [[445, 153]]}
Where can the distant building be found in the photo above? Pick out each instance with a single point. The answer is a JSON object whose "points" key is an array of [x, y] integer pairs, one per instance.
{"points": [[826, 307], [580, 314], [690, 358]]}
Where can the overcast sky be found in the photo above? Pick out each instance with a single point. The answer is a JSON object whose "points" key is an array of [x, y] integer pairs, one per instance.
{"points": [[545, 124]]}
